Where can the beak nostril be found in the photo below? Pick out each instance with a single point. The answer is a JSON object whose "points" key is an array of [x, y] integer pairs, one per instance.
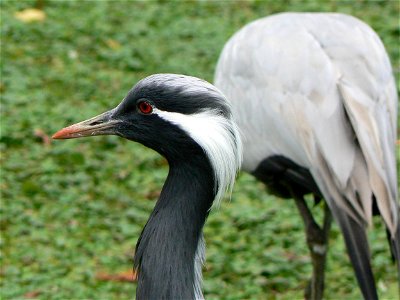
{"points": [[95, 123]]}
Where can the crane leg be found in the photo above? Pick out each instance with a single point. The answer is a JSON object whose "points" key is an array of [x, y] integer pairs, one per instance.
{"points": [[317, 240]]}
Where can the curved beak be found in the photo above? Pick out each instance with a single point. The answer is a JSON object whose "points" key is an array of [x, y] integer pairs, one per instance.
{"points": [[102, 124]]}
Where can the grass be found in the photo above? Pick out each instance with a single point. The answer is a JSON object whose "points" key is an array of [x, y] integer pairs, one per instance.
{"points": [[73, 209]]}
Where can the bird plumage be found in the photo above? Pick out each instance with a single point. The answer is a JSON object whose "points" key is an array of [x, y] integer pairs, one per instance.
{"points": [[189, 122], [317, 90], [204, 114]]}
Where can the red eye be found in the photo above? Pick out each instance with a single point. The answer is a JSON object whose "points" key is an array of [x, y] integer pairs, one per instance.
{"points": [[145, 107]]}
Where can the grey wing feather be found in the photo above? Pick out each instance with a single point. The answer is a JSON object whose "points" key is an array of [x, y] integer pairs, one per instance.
{"points": [[323, 85], [319, 90]]}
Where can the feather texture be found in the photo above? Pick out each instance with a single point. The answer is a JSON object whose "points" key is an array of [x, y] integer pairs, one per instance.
{"points": [[220, 140], [318, 87]]}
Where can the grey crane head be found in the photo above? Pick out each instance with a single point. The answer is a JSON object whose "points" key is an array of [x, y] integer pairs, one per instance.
{"points": [[177, 116]]}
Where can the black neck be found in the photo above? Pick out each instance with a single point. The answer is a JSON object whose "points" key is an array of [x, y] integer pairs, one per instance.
{"points": [[166, 250]]}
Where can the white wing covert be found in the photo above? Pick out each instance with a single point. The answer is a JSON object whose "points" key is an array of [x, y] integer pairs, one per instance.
{"points": [[324, 88]]}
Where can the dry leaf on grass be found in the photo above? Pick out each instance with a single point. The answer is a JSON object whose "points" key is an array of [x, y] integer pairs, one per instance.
{"points": [[113, 44], [30, 15], [128, 276], [32, 294], [43, 136]]}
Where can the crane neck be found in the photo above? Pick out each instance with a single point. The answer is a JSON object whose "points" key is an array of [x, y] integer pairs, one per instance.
{"points": [[170, 250]]}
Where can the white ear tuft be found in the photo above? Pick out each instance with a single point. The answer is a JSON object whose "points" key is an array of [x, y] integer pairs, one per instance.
{"points": [[220, 140]]}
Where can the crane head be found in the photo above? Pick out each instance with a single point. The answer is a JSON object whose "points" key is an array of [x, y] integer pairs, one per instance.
{"points": [[178, 116]]}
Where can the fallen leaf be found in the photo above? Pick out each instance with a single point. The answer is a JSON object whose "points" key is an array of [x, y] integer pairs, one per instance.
{"points": [[152, 195], [73, 54], [32, 294], [128, 276], [30, 15], [43, 136], [113, 44]]}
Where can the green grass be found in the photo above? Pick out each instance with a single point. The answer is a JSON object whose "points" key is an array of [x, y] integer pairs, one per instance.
{"points": [[72, 209]]}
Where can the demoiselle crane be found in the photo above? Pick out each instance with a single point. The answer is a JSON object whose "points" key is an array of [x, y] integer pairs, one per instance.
{"points": [[189, 122], [315, 100]]}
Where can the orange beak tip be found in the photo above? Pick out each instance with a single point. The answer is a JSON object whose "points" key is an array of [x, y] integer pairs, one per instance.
{"points": [[56, 136], [62, 134]]}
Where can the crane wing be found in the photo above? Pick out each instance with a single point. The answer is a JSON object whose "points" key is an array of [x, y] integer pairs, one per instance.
{"points": [[323, 85], [319, 90]]}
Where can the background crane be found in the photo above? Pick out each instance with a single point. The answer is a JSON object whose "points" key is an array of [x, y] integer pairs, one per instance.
{"points": [[316, 103]]}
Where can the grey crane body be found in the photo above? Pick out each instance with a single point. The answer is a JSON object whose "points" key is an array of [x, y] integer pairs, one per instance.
{"points": [[315, 100]]}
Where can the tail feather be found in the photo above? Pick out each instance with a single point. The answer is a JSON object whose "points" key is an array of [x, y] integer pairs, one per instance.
{"points": [[357, 247], [395, 249]]}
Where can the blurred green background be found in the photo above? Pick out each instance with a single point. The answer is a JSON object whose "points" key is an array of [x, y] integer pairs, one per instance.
{"points": [[72, 211]]}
